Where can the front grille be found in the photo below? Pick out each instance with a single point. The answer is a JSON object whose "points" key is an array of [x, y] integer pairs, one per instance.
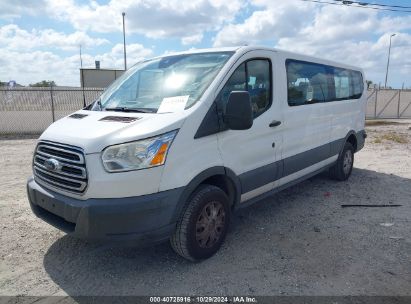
{"points": [[67, 171]]}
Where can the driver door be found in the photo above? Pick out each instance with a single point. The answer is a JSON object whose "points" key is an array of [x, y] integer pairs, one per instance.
{"points": [[252, 154]]}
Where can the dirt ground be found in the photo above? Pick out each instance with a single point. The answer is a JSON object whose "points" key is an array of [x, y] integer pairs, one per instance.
{"points": [[298, 242]]}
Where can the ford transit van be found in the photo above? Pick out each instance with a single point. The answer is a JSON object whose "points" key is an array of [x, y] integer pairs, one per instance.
{"points": [[172, 148]]}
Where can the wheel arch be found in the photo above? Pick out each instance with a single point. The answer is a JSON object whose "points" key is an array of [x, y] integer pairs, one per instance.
{"points": [[219, 176], [351, 137]]}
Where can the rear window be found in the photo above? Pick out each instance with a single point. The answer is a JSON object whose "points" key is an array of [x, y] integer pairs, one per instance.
{"points": [[310, 83]]}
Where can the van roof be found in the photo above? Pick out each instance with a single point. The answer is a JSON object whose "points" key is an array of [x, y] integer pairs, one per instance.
{"points": [[247, 48]]}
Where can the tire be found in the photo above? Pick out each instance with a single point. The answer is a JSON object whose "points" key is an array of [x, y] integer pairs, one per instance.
{"points": [[342, 169], [203, 225]]}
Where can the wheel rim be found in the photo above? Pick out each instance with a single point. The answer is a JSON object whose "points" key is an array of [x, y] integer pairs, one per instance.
{"points": [[210, 224], [347, 164]]}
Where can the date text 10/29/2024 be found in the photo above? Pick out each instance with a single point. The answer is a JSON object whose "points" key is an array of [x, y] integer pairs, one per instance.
{"points": [[199, 299]]}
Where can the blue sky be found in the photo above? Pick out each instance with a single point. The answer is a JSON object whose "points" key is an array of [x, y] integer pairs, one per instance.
{"points": [[40, 39]]}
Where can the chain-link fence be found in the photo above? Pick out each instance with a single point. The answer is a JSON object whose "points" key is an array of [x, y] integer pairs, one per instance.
{"points": [[32, 110], [388, 103]]}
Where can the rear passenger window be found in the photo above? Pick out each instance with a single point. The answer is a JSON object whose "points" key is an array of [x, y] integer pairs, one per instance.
{"points": [[253, 76], [310, 83], [348, 84], [307, 83], [342, 84], [357, 84]]}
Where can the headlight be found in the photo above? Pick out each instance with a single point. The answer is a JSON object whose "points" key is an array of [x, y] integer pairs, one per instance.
{"points": [[141, 154]]}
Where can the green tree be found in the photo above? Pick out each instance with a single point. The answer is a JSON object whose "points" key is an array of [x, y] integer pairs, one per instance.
{"points": [[44, 83], [369, 83]]}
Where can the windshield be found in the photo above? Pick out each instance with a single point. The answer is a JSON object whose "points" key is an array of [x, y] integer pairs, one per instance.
{"points": [[166, 84]]}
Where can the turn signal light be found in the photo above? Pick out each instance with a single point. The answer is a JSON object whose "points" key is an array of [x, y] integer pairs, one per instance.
{"points": [[159, 158]]}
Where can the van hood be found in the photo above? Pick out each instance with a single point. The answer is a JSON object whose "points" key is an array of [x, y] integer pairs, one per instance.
{"points": [[95, 130]]}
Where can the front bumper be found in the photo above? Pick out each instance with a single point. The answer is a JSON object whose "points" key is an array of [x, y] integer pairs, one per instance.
{"points": [[143, 219], [361, 136]]}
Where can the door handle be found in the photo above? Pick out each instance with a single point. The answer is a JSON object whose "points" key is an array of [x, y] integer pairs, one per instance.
{"points": [[274, 123]]}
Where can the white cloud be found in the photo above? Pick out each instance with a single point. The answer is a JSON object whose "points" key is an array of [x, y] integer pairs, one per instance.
{"points": [[348, 35], [273, 21], [13, 37], [154, 19], [193, 39], [355, 36], [333, 24], [31, 56], [32, 66], [10, 10], [394, 24], [115, 58]]}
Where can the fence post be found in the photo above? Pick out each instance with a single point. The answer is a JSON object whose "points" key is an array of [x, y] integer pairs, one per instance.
{"points": [[82, 86], [52, 102], [375, 106], [399, 102]]}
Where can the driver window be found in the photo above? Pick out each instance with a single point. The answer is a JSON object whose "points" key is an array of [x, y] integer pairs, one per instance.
{"points": [[253, 76]]}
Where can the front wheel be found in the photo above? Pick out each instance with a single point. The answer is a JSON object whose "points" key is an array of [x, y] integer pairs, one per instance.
{"points": [[202, 228], [343, 167]]}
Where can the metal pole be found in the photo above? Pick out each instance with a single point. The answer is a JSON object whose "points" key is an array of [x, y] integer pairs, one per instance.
{"points": [[124, 43], [82, 87], [388, 62], [52, 102], [375, 106], [82, 78], [399, 102], [81, 59]]}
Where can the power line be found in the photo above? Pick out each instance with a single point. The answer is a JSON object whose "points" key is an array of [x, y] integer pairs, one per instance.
{"points": [[357, 6], [371, 4]]}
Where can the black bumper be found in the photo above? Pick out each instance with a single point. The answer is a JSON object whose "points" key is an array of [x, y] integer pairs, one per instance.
{"points": [[361, 136], [143, 219]]}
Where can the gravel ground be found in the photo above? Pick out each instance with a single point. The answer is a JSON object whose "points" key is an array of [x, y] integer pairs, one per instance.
{"points": [[298, 242]]}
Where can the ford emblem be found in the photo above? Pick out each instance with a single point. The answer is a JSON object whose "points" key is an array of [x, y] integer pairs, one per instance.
{"points": [[52, 164]]}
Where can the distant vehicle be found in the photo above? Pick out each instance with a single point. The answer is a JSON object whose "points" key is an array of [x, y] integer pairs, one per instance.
{"points": [[179, 142]]}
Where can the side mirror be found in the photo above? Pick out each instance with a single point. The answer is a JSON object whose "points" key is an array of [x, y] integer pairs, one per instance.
{"points": [[239, 114]]}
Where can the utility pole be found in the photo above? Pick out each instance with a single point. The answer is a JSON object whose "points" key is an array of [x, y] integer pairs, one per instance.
{"points": [[82, 79], [81, 59], [124, 43], [388, 62]]}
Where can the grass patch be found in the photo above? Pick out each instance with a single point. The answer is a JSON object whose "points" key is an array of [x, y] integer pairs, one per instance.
{"points": [[370, 123], [391, 136]]}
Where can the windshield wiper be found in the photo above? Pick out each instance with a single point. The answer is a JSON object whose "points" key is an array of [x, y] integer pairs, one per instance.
{"points": [[136, 110]]}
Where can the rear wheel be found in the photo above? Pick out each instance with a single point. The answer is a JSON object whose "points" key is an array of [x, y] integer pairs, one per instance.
{"points": [[343, 167], [202, 228]]}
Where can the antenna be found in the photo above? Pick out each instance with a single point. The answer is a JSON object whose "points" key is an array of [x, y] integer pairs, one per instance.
{"points": [[81, 59], [124, 42]]}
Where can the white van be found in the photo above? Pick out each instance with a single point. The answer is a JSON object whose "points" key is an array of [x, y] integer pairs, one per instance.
{"points": [[179, 142]]}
